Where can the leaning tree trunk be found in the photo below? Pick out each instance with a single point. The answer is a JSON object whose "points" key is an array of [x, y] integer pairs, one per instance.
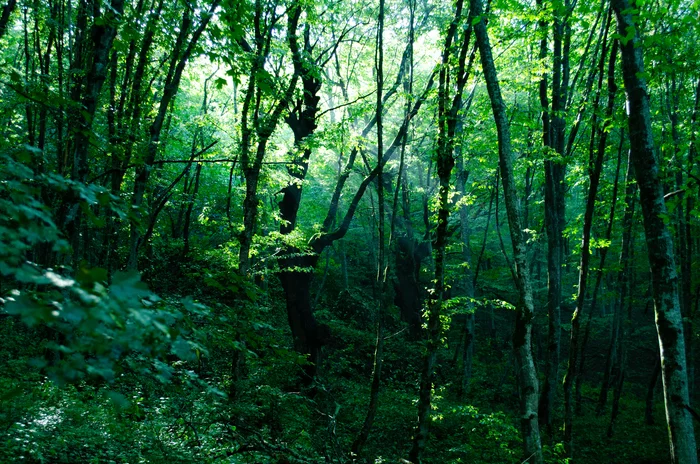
{"points": [[669, 324], [522, 337]]}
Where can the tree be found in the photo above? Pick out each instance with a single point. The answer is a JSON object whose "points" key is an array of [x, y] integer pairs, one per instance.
{"points": [[522, 336], [669, 324], [451, 82]]}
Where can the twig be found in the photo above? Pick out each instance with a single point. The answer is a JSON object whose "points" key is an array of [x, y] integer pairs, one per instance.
{"points": [[397, 333], [362, 97]]}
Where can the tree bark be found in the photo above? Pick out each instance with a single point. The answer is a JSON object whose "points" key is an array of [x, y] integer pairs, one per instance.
{"points": [[380, 284], [5, 17], [179, 58], [669, 323], [522, 336], [622, 284], [451, 82]]}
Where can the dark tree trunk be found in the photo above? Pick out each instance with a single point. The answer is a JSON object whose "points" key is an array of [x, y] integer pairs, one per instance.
{"points": [[180, 56], [595, 166], [622, 284], [600, 130], [102, 34], [669, 322], [599, 277], [449, 105], [5, 17], [553, 221], [297, 292], [409, 256]]}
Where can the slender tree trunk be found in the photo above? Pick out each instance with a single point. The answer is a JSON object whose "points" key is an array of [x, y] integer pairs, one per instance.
{"points": [[669, 323], [380, 283], [622, 284], [599, 276], [595, 165], [451, 82], [182, 52], [616, 400], [554, 226], [468, 282], [468, 277], [599, 129], [625, 325], [522, 337], [190, 207], [477, 266]]}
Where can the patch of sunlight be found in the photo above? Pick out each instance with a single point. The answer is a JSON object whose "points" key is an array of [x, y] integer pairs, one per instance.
{"points": [[48, 417]]}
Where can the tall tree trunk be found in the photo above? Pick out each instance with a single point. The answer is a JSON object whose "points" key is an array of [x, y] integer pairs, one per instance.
{"points": [[103, 32], [669, 323], [553, 222], [599, 276], [601, 131], [467, 278], [595, 166], [380, 283], [624, 329], [180, 56], [522, 336], [451, 82], [622, 285]]}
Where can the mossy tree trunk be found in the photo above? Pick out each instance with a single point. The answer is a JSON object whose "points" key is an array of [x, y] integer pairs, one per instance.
{"points": [[669, 323], [522, 337]]}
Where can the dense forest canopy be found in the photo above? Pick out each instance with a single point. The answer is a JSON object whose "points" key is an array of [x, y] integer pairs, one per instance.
{"points": [[399, 231]]}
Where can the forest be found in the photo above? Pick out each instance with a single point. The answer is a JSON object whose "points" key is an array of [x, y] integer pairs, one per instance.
{"points": [[393, 231]]}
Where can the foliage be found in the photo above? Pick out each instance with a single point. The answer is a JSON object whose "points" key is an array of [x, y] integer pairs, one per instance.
{"points": [[131, 328]]}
